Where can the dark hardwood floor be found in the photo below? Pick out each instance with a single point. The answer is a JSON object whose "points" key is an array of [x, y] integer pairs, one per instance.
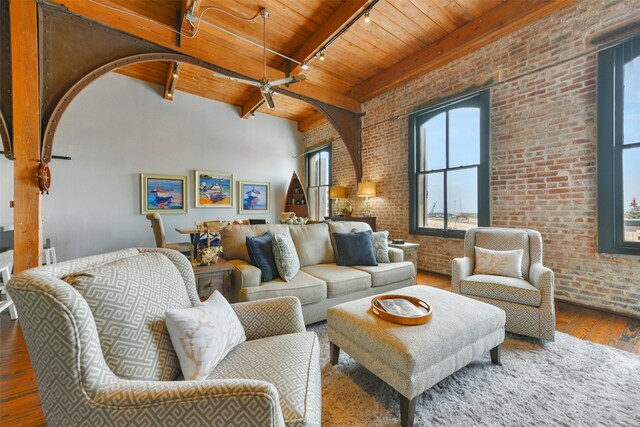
{"points": [[20, 403]]}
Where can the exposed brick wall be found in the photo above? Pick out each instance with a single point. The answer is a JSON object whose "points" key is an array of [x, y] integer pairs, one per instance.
{"points": [[543, 150]]}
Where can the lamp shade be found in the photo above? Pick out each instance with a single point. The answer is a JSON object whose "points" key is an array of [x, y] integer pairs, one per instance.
{"points": [[337, 192], [367, 189]]}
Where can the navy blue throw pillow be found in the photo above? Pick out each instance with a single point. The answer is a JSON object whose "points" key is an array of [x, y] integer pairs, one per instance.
{"points": [[355, 248], [261, 255]]}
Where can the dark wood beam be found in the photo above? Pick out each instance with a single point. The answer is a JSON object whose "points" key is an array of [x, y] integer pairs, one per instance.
{"points": [[498, 22], [26, 134]]}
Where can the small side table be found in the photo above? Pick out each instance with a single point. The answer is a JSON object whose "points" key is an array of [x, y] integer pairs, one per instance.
{"points": [[214, 277], [410, 252]]}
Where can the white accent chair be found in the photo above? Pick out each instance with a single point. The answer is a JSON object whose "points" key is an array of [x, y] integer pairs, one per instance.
{"points": [[6, 265], [528, 302]]}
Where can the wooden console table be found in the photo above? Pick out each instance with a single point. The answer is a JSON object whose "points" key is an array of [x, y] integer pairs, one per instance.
{"points": [[214, 277]]}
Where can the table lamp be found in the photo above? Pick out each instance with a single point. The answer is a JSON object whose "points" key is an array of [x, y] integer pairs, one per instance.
{"points": [[366, 190], [336, 193]]}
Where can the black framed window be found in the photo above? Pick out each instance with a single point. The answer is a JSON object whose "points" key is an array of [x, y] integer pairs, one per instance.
{"points": [[449, 167], [619, 148], [318, 167]]}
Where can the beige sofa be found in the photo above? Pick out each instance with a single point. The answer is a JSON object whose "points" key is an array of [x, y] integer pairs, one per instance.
{"points": [[320, 283]]}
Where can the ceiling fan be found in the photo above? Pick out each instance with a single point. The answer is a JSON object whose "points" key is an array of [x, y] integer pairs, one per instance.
{"points": [[265, 86]]}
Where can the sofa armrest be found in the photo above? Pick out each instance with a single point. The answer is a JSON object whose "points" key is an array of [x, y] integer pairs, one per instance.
{"points": [[166, 403], [270, 317], [542, 278], [396, 255], [461, 268]]}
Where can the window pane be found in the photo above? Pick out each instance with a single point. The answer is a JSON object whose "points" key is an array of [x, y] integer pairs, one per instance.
{"points": [[313, 170], [313, 203], [323, 204], [631, 112], [464, 137], [462, 199], [631, 193], [324, 168], [433, 143], [432, 213]]}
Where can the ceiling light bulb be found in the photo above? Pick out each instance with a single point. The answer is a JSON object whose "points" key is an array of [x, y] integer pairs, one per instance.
{"points": [[253, 115], [367, 17], [322, 55], [304, 66], [170, 95], [175, 75]]}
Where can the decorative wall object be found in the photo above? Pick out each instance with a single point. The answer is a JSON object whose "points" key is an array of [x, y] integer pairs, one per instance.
{"points": [[164, 194], [254, 197], [213, 189]]}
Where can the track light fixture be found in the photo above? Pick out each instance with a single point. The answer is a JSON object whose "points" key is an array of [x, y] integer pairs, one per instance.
{"points": [[304, 66], [253, 115], [322, 55], [367, 16]]}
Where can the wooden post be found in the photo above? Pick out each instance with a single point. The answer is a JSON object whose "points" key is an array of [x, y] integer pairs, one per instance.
{"points": [[26, 134]]}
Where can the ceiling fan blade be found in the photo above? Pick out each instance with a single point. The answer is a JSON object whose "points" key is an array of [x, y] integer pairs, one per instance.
{"points": [[268, 99], [239, 80], [289, 80]]}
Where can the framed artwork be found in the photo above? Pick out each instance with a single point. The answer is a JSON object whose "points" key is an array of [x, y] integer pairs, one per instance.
{"points": [[254, 197], [213, 189], [164, 194]]}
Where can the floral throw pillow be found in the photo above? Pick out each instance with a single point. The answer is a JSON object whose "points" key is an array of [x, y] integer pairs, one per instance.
{"points": [[499, 263], [203, 335], [380, 241], [284, 252]]}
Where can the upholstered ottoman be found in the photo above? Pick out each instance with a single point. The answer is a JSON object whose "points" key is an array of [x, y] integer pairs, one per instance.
{"points": [[411, 359]]}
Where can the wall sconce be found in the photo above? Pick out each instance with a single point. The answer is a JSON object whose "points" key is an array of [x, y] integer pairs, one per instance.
{"points": [[366, 190], [336, 193]]}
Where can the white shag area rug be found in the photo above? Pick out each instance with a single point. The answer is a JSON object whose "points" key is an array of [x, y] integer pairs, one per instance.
{"points": [[569, 382]]}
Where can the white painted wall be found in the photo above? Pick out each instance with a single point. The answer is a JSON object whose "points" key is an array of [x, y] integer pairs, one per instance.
{"points": [[119, 127], [6, 191]]}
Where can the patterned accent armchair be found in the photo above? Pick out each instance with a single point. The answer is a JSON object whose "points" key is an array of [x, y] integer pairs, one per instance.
{"points": [[528, 302], [77, 338]]}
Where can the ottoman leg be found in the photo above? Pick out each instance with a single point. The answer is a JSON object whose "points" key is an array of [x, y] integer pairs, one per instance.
{"points": [[407, 410], [495, 355], [335, 353]]}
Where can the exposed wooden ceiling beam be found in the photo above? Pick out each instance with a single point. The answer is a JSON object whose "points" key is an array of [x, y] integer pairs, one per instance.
{"points": [[172, 79], [497, 23], [221, 55], [312, 121], [336, 22]]}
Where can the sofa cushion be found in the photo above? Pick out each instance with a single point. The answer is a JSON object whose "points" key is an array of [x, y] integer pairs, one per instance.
{"points": [[284, 252], [313, 244], [260, 250], [344, 227], [501, 288], [203, 335], [289, 362], [355, 248], [234, 238], [499, 263], [381, 245], [505, 240], [340, 280], [128, 300], [306, 288], [387, 273]]}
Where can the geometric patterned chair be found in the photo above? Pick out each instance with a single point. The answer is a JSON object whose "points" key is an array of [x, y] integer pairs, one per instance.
{"points": [[96, 336], [528, 302]]}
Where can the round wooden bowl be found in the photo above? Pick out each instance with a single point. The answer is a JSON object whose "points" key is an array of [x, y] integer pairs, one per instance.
{"points": [[377, 309]]}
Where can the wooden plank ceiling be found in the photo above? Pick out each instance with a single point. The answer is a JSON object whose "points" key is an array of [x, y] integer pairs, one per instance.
{"points": [[405, 38]]}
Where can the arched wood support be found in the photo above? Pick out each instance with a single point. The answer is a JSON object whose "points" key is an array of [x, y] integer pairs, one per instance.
{"points": [[6, 102], [347, 123], [76, 51]]}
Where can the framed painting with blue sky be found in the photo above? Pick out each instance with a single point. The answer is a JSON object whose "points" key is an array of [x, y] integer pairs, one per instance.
{"points": [[213, 189], [164, 194], [254, 197]]}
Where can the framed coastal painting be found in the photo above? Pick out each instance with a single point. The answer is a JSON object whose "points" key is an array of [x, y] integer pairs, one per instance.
{"points": [[164, 194], [254, 197], [213, 189]]}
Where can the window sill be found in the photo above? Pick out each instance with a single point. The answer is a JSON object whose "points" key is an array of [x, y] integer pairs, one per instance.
{"points": [[449, 234]]}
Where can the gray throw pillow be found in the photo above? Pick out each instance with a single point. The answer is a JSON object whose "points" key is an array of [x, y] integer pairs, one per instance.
{"points": [[380, 245], [284, 252]]}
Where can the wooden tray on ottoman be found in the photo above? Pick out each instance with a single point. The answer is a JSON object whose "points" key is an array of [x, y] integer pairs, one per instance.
{"points": [[379, 311]]}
